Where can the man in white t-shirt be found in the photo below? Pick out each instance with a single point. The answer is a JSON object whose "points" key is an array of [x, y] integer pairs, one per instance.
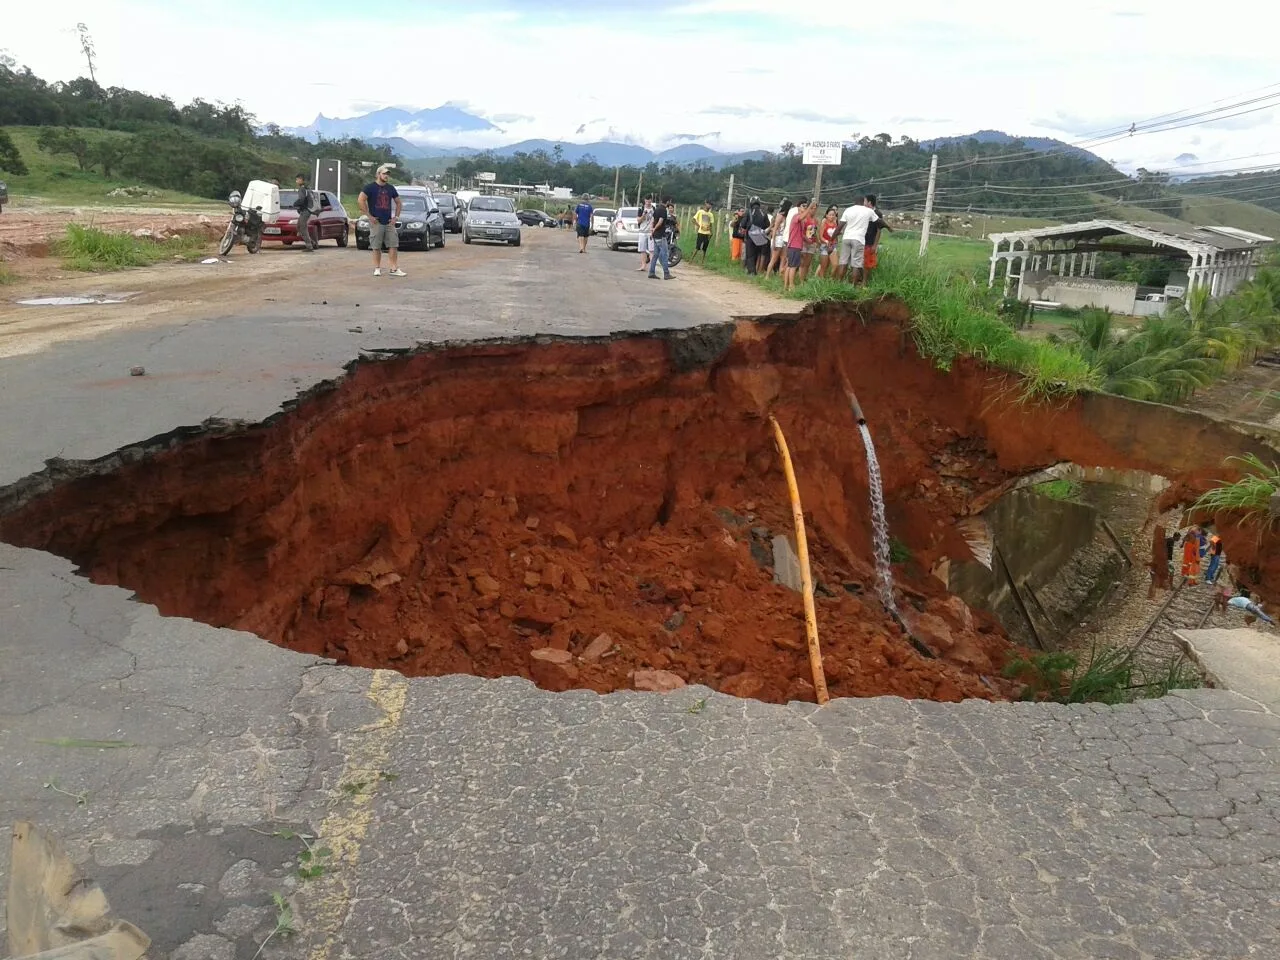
{"points": [[853, 236]]}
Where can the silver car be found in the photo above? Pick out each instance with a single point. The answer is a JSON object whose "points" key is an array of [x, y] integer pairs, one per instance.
{"points": [[491, 218], [625, 229]]}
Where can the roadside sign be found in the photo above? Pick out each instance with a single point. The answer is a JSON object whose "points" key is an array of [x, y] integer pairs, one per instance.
{"points": [[823, 153], [487, 177]]}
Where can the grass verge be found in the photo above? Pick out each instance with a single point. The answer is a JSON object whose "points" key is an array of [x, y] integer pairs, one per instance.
{"points": [[1250, 495], [93, 250], [952, 314], [7, 276]]}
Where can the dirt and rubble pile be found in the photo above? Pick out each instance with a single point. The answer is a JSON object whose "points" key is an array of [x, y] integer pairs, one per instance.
{"points": [[585, 513]]}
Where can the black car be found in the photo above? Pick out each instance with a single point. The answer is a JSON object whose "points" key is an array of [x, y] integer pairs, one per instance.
{"points": [[420, 223], [450, 210], [536, 218]]}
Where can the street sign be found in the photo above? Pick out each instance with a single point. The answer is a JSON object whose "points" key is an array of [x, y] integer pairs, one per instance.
{"points": [[487, 177], [822, 153]]}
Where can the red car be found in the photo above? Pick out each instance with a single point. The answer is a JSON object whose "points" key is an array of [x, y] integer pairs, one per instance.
{"points": [[329, 224]]}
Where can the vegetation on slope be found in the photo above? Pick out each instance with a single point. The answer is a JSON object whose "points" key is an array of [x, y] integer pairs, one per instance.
{"points": [[74, 137]]}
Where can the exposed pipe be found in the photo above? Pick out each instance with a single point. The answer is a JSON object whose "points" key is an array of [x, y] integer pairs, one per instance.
{"points": [[806, 575], [853, 398]]}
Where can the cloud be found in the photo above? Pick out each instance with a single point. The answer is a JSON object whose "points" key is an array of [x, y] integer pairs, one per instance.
{"points": [[694, 137], [512, 118], [815, 116], [1184, 158]]}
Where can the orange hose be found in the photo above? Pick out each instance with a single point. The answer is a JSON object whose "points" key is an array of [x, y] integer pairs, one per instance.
{"points": [[806, 576]]}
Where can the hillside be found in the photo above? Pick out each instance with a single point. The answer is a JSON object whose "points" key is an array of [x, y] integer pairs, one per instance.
{"points": [[58, 179], [81, 141]]}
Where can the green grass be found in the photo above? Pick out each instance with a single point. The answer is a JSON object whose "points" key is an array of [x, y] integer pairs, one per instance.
{"points": [[7, 276], [1251, 494], [1111, 675], [953, 315], [58, 180], [1061, 489], [93, 250]]}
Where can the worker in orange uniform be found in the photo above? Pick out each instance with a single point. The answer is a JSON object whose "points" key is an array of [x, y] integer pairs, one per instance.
{"points": [[1191, 555]]}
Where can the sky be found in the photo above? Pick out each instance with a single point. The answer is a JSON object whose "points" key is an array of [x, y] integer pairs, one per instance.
{"points": [[731, 74]]}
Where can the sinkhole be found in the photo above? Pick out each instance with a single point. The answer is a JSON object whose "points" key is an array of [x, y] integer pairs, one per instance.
{"points": [[583, 512]]}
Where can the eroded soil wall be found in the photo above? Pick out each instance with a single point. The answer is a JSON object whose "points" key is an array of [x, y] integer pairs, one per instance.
{"points": [[457, 509]]}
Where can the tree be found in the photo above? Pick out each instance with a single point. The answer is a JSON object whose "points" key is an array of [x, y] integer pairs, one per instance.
{"points": [[57, 140], [107, 153], [10, 158], [87, 48]]}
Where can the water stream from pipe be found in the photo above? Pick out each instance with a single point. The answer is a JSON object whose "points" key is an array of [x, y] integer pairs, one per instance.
{"points": [[879, 525]]}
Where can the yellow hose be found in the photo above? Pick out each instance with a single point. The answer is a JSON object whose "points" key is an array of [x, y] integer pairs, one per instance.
{"points": [[806, 576]]}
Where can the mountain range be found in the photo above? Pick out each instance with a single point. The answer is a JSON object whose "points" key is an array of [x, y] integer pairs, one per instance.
{"points": [[407, 132]]}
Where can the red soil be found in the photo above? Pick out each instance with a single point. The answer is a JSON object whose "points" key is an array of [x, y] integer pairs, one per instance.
{"points": [[460, 508]]}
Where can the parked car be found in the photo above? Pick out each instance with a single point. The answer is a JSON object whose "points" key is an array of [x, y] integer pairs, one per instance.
{"points": [[536, 218], [419, 225], [491, 218], [330, 223], [4, 195], [451, 210], [624, 231], [600, 220]]}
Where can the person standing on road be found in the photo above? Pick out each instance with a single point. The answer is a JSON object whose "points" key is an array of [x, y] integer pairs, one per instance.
{"points": [[582, 214], [303, 205], [870, 246], [662, 232], [644, 234], [705, 221], [381, 203]]}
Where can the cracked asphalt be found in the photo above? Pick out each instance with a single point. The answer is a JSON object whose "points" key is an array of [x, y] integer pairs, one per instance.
{"points": [[462, 818]]}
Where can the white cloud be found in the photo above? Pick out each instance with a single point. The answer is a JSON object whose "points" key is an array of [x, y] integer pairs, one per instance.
{"points": [[1053, 71]]}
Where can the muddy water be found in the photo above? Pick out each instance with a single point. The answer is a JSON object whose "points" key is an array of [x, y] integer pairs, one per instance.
{"points": [[879, 525]]}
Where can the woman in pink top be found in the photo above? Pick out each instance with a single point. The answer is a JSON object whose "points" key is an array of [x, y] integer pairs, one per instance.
{"points": [[800, 224], [827, 243]]}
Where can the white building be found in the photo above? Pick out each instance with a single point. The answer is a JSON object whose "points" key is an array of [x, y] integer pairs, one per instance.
{"points": [[1059, 263]]}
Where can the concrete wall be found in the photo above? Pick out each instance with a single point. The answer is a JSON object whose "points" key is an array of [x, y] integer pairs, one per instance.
{"points": [[1113, 295]]}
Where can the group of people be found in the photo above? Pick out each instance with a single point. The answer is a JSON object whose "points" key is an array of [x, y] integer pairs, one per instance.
{"points": [[789, 239], [657, 227], [1200, 543]]}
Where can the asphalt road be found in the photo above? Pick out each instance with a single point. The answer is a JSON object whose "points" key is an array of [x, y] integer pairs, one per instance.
{"points": [[235, 340], [460, 818]]}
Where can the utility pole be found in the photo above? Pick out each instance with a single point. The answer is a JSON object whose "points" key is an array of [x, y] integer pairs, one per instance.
{"points": [[928, 205], [639, 189], [729, 203], [617, 172], [817, 184]]}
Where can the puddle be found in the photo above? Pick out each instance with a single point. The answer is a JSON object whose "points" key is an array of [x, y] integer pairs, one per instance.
{"points": [[65, 301]]}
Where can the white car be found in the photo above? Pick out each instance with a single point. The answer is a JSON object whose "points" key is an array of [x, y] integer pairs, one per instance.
{"points": [[624, 231], [600, 220]]}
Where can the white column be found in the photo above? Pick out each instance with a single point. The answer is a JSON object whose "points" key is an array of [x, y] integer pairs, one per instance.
{"points": [[995, 251], [1093, 264], [1022, 274], [1215, 274], [1072, 270]]}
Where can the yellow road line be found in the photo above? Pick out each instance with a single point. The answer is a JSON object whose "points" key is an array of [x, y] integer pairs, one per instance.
{"points": [[345, 827]]}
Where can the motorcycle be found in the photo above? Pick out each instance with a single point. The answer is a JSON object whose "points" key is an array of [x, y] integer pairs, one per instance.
{"points": [[245, 225]]}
